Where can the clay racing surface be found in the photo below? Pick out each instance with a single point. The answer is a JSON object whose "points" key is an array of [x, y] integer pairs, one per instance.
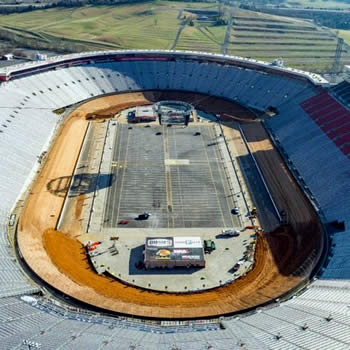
{"points": [[283, 258]]}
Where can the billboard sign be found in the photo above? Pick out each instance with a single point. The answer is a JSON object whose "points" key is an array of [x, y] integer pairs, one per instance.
{"points": [[159, 242], [187, 242], [173, 249]]}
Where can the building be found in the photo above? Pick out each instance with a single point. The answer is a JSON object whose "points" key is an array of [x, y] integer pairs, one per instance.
{"points": [[142, 114]]}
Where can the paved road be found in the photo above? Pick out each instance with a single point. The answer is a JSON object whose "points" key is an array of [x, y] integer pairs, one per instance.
{"points": [[227, 34]]}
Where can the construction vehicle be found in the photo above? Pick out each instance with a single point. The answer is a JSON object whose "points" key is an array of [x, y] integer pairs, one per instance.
{"points": [[209, 246]]}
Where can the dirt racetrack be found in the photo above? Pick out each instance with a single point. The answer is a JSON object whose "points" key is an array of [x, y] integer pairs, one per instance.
{"points": [[287, 195], [59, 259]]}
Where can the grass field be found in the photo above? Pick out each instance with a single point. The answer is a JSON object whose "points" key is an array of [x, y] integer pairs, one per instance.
{"points": [[146, 25], [137, 26], [300, 43], [156, 25], [201, 38], [345, 34]]}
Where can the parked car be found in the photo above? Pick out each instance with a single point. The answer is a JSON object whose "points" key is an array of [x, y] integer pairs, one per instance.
{"points": [[123, 222], [235, 211], [144, 216], [230, 232], [237, 266]]}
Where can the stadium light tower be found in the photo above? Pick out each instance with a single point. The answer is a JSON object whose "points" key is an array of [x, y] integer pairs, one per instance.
{"points": [[337, 58]]}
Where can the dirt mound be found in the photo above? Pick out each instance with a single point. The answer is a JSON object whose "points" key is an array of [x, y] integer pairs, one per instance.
{"points": [[261, 284], [69, 256]]}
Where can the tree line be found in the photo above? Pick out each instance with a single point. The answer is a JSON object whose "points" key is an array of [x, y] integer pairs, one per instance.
{"points": [[332, 19], [36, 5]]}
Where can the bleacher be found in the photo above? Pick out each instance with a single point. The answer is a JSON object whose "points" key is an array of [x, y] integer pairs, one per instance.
{"points": [[342, 92], [315, 136], [317, 152], [312, 128], [229, 82], [331, 117], [338, 266], [318, 318], [21, 143], [12, 280]]}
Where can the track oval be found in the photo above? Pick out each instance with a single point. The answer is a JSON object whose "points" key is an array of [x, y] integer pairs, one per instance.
{"points": [[59, 259]]}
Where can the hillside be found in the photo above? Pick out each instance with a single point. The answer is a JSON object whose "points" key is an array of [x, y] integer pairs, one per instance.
{"points": [[175, 25]]}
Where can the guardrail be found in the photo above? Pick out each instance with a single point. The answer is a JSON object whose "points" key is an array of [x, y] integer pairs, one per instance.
{"points": [[98, 174], [233, 165]]}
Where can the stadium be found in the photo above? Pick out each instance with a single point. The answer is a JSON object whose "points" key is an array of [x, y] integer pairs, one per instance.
{"points": [[264, 139]]}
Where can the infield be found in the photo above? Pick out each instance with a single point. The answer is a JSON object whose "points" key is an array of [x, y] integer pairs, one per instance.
{"points": [[174, 173]]}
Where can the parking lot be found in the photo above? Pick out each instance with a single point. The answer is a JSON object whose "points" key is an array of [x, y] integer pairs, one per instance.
{"points": [[175, 173]]}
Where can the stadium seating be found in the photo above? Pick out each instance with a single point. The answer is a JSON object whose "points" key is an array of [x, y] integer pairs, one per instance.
{"points": [[25, 131], [12, 280], [313, 149], [342, 92], [312, 129], [315, 137], [318, 318], [331, 117], [338, 266], [64, 87], [238, 84]]}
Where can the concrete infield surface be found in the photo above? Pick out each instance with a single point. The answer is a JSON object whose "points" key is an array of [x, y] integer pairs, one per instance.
{"points": [[193, 195], [60, 260]]}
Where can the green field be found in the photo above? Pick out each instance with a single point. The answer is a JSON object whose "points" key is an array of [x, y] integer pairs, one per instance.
{"points": [[156, 25], [146, 25], [300, 43], [138, 26], [345, 34]]}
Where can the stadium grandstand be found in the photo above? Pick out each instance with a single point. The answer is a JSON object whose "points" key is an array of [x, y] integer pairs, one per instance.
{"points": [[311, 129]]}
